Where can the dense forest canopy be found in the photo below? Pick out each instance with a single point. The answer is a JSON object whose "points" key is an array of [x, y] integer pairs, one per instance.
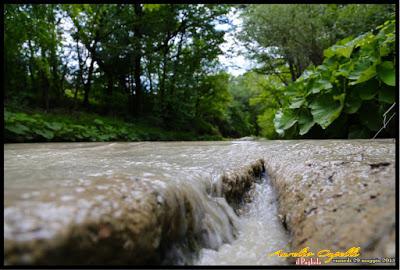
{"points": [[117, 71]]}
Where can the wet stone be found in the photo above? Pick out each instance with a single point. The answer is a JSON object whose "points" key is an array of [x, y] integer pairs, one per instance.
{"points": [[164, 203], [341, 199]]}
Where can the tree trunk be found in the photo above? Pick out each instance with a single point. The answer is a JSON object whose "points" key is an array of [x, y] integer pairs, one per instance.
{"points": [[79, 79], [110, 86], [175, 69], [54, 74], [31, 63], [122, 83], [45, 90], [164, 73], [137, 70], [149, 76], [292, 70], [88, 84]]}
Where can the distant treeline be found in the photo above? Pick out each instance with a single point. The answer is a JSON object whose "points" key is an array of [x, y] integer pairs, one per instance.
{"points": [[158, 63]]}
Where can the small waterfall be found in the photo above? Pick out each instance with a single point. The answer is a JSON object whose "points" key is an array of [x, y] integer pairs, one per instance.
{"points": [[199, 217], [260, 232]]}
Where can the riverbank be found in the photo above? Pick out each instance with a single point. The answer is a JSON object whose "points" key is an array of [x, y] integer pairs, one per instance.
{"points": [[38, 126], [337, 195]]}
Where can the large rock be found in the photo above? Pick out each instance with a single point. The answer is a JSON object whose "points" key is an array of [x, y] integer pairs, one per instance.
{"points": [[121, 219], [337, 194]]}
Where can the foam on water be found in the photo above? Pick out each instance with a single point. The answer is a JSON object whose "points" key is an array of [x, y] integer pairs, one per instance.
{"points": [[260, 233]]}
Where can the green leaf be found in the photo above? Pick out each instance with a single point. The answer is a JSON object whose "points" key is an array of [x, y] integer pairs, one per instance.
{"points": [[367, 90], [340, 50], [54, 125], [297, 102], [387, 95], [18, 129], [284, 120], [362, 76], [104, 137], [307, 74], [44, 133], [345, 69], [386, 73], [344, 50], [326, 109], [346, 41], [352, 103], [319, 85], [7, 115], [328, 53], [133, 137], [384, 50], [306, 122], [151, 6], [98, 122]]}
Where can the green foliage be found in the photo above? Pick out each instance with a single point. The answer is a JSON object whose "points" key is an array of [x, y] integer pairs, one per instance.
{"points": [[157, 65], [23, 127], [134, 61], [241, 118], [255, 100], [292, 36], [354, 84]]}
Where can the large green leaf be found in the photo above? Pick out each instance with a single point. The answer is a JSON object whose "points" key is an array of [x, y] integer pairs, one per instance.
{"points": [[54, 125], [45, 133], [297, 102], [385, 49], [326, 109], [306, 122], [345, 69], [319, 85], [284, 120], [367, 90], [352, 103], [338, 50], [18, 129], [342, 48], [360, 76], [7, 116], [386, 73], [387, 95], [344, 51]]}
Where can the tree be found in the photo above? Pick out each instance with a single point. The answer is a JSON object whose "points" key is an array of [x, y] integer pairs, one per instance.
{"points": [[294, 36], [33, 51]]}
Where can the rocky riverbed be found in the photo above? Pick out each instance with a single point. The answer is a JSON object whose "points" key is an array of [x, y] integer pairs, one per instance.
{"points": [[337, 194], [162, 203]]}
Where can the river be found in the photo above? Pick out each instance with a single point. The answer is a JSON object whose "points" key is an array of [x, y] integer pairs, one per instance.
{"points": [[151, 202], [49, 186]]}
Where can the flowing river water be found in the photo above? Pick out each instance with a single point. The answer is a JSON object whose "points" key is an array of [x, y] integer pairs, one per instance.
{"points": [[148, 202], [49, 186]]}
